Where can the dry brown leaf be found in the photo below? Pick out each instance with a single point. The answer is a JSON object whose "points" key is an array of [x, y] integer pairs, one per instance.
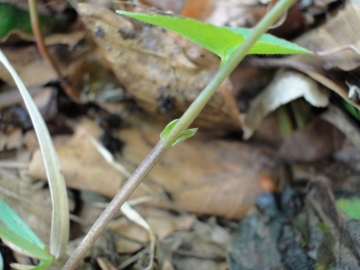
{"points": [[285, 87], [83, 65], [134, 239], [15, 139], [166, 5], [313, 67], [82, 165], [153, 69], [161, 222], [29, 66], [207, 176], [33, 70], [337, 43], [105, 264]]}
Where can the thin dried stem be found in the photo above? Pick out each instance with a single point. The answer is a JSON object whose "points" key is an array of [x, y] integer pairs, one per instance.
{"points": [[45, 55]]}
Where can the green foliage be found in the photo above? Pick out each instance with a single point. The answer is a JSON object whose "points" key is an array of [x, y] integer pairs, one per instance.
{"points": [[351, 207], [11, 220], [186, 134], [168, 128], [60, 214], [351, 109], [18, 233], [13, 18], [323, 227], [223, 41]]}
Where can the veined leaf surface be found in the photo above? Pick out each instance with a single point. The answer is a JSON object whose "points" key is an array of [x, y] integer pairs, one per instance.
{"points": [[220, 40]]}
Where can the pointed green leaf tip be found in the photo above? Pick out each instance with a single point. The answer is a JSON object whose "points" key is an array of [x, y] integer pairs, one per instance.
{"points": [[168, 128], [186, 134], [220, 40], [350, 206]]}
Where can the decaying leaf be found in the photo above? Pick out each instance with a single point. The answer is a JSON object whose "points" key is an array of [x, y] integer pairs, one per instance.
{"points": [[285, 87], [337, 42], [317, 236], [160, 221], [83, 66], [222, 175], [154, 70], [35, 71]]}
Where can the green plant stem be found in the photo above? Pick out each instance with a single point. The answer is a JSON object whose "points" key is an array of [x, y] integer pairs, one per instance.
{"points": [[195, 108], [285, 122], [164, 144]]}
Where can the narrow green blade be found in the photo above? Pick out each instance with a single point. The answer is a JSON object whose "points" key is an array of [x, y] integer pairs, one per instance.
{"points": [[220, 40], [22, 243], [17, 225]]}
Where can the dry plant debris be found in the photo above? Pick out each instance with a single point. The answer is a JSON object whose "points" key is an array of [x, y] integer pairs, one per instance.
{"points": [[133, 78]]}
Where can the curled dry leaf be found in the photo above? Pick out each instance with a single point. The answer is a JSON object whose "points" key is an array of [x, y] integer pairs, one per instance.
{"points": [[311, 66], [154, 70], [337, 43], [160, 221], [32, 69], [205, 176], [285, 87], [83, 66]]}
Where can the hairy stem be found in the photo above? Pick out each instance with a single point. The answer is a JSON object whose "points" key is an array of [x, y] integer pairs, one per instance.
{"points": [[184, 122]]}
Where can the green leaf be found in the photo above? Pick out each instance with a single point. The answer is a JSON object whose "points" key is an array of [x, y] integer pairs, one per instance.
{"points": [[183, 135], [22, 243], [351, 109], [351, 207], [13, 18], [220, 40], [60, 214], [168, 128], [186, 134], [12, 221]]}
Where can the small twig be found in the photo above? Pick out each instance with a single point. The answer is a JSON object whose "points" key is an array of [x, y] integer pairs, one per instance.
{"points": [[45, 55], [13, 164], [193, 254], [133, 259]]}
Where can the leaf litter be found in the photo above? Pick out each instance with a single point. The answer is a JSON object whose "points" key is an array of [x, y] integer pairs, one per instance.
{"points": [[197, 199]]}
